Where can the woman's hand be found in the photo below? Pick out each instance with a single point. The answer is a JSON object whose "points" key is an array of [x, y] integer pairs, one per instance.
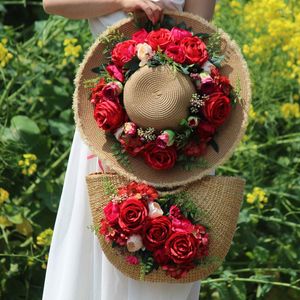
{"points": [[152, 8]]}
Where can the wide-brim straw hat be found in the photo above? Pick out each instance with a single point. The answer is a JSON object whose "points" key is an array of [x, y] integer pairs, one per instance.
{"points": [[229, 134], [219, 199]]}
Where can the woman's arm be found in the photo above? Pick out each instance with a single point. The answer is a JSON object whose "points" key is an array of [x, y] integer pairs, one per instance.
{"points": [[203, 8], [84, 9]]}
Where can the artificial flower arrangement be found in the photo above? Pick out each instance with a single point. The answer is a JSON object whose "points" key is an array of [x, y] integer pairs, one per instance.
{"points": [[196, 55], [154, 231]]}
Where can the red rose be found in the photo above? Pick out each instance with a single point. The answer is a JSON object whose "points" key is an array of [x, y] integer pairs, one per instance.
{"points": [[109, 115], [123, 52], [146, 192], [156, 232], [205, 131], [159, 38], [96, 95], [133, 145], [179, 222], [176, 53], [195, 50], [217, 108], [224, 84], [175, 212], [195, 149], [176, 271], [177, 34], [111, 91], [158, 158], [160, 256], [181, 247], [133, 213], [140, 36], [115, 72], [112, 212]]}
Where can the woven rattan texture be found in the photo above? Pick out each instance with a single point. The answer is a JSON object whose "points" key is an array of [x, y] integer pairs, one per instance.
{"points": [[218, 197]]}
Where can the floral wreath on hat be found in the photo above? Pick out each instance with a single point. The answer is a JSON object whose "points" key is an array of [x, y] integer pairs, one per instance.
{"points": [[155, 231], [196, 55]]}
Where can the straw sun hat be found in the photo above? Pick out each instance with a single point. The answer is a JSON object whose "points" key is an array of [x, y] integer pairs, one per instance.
{"points": [[158, 97], [219, 199]]}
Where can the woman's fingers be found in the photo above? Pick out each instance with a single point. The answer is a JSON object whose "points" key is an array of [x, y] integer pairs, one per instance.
{"points": [[152, 10]]}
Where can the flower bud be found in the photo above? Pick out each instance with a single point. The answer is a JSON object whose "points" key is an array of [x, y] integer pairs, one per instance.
{"points": [[134, 243], [154, 210], [167, 138]]}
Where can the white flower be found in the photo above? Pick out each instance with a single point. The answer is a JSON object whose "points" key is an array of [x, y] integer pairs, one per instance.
{"points": [[119, 132], [154, 210], [207, 67], [134, 243], [144, 53]]}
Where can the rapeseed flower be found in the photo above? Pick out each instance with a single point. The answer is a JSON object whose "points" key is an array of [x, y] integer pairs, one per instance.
{"points": [[258, 197]]}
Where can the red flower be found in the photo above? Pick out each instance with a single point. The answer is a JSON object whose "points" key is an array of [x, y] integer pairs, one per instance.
{"points": [[112, 234], [195, 50], [123, 52], [159, 38], [179, 222], [132, 145], [176, 53], [178, 272], [181, 247], [140, 36], [161, 257], [115, 72], [111, 91], [205, 131], [109, 115], [112, 212], [156, 232], [158, 158], [195, 149], [203, 240], [224, 84], [177, 34], [133, 213], [217, 108], [145, 192], [96, 95]]}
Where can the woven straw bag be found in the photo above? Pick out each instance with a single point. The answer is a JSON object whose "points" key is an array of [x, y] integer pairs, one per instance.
{"points": [[218, 197]]}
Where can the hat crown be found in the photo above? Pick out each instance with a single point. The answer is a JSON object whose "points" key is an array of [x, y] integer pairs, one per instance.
{"points": [[158, 97]]}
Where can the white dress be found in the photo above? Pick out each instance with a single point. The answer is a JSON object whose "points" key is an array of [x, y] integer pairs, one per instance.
{"points": [[77, 269]]}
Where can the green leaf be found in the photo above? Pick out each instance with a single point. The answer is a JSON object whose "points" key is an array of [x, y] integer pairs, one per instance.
{"points": [[132, 66], [202, 35], [16, 219], [217, 60], [237, 291], [24, 129], [60, 128], [214, 145]]}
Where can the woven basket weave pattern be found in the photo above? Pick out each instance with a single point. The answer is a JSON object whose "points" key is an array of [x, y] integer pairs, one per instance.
{"points": [[219, 198]]}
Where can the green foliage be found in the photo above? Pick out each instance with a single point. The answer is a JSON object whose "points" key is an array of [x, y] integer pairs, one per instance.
{"points": [[109, 188], [121, 155]]}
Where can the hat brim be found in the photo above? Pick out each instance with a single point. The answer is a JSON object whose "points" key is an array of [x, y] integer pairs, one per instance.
{"points": [[218, 197], [229, 134]]}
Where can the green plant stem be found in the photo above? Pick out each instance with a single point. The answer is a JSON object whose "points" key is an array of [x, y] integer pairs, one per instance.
{"points": [[276, 220], [251, 280], [31, 188], [266, 270], [7, 89], [24, 3]]}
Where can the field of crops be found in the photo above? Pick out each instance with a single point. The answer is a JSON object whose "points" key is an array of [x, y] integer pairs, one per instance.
{"points": [[38, 59]]}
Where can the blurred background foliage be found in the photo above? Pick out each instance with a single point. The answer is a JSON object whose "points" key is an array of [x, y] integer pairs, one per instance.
{"points": [[38, 59]]}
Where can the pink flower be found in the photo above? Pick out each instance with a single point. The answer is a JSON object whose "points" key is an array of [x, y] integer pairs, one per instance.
{"points": [[167, 138], [130, 128], [177, 34], [131, 259], [115, 72]]}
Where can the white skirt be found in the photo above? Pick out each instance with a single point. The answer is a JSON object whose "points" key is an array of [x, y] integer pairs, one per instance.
{"points": [[77, 269]]}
